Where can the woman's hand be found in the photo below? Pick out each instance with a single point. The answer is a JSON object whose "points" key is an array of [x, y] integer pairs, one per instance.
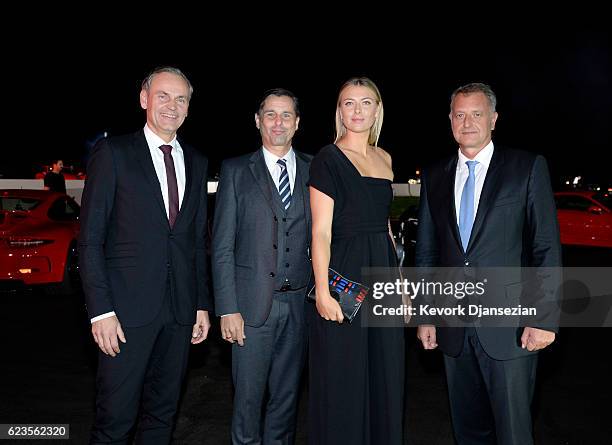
{"points": [[329, 308]]}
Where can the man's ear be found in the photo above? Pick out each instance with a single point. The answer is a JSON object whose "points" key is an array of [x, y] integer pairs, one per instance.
{"points": [[143, 99], [257, 120], [493, 120]]}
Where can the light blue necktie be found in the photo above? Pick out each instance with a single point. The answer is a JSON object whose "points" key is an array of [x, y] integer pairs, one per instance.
{"points": [[466, 208], [284, 190]]}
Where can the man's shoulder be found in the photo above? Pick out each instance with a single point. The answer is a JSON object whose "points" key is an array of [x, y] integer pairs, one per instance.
{"points": [[521, 160], [122, 141], [303, 156], [442, 164], [241, 161]]}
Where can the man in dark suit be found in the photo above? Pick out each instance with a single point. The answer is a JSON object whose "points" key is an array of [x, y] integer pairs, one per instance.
{"points": [[487, 207], [261, 268], [143, 264]]}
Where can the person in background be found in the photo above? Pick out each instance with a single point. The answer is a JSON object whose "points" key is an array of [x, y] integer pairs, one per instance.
{"points": [[54, 179]]}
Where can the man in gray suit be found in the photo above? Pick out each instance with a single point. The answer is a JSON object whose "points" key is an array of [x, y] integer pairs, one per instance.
{"points": [[261, 270]]}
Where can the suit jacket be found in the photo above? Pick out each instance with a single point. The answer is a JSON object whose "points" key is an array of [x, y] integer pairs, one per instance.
{"points": [[244, 234], [127, 250], [515, 225]]}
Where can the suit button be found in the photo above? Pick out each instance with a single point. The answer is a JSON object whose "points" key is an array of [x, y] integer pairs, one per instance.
{"points": [[287, 249], [275, 218], [286, 264], [272, 274], [284, 219], [171, 236], [287, 233], [274, 246], [168, 264]]}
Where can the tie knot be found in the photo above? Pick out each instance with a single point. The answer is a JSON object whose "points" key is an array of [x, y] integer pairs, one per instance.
{"points": [[282, 163], [471, 165], [166, 149]]}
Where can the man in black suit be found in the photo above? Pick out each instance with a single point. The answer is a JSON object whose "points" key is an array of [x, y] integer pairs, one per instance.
{"points": [[261, 268], [487, 207], [143, 264]]}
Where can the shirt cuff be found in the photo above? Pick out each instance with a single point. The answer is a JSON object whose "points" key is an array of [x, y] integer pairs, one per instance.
{"points": [[103, 316]]}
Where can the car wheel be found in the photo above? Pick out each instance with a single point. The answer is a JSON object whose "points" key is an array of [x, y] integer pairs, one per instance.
{"points": [[71, 283]]}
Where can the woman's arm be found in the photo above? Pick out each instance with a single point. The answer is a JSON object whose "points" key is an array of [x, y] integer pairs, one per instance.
{"points": [[322, 209]]}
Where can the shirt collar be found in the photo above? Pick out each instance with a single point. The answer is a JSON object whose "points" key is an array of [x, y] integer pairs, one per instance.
{"points": [[155, 141], [483, 157], [271, 158]]}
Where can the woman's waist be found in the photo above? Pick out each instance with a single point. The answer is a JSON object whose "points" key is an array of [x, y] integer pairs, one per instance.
{"points": [[359, 229]]}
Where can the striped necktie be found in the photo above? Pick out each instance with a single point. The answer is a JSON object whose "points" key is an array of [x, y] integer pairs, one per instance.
{"points": [[284, 190]]}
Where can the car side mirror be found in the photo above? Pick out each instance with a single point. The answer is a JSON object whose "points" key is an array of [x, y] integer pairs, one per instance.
{"points": [[595, 210]]}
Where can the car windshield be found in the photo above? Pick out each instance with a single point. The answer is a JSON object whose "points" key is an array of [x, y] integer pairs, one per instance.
{"points": [[605, 198], [18, 203]]}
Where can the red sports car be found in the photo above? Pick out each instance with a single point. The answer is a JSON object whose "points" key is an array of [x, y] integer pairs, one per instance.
{"points": [[38, 239], [585, 217]]}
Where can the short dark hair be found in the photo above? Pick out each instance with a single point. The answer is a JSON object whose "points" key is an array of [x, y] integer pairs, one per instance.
{"points": [[280, 92]]}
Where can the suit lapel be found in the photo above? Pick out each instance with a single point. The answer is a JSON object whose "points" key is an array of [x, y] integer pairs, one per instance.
{"points": [[260, 172], [188, 156], [143, 155], [489, 191], [449, 198]]}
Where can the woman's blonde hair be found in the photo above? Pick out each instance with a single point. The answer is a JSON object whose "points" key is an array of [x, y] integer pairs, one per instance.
{"points": [[376, 128]]}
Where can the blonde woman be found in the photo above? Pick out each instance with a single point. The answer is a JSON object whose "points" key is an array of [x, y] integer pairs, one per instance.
{"points": [[356, 372]]}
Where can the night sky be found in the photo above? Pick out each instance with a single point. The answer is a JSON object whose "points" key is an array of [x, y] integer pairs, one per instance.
{"points": [[554, 93]]}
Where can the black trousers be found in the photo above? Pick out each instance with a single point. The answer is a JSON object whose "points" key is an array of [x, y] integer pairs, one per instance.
{"points": [[144, 378], [490, 400]]}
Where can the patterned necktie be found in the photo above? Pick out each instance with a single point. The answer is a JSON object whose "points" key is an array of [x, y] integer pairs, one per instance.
{"points": [[284, 190], [466, 209], [173, 199]]}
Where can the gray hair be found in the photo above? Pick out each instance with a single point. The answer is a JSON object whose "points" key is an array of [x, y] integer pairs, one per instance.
{"points": [[476, 87], [146, 83]]}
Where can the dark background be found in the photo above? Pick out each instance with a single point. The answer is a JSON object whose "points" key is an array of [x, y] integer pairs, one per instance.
{"points": [[554, 89]]}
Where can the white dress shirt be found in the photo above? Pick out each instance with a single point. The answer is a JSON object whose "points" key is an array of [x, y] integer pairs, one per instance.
{"points": [[157, 156], [275, 169], [480, 172]]}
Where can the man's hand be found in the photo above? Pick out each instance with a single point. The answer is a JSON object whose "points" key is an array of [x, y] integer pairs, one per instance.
{"points": [[232, 328], [105, 333], [534, 339], [200, 328], [427, 334]]}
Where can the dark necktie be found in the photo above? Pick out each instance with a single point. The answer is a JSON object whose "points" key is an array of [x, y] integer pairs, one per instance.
{"points": [[173, 197], [284, 190]]}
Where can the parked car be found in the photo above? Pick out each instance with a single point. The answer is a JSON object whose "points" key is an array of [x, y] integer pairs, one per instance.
{"points": [[585, 217], [38, 239]]}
